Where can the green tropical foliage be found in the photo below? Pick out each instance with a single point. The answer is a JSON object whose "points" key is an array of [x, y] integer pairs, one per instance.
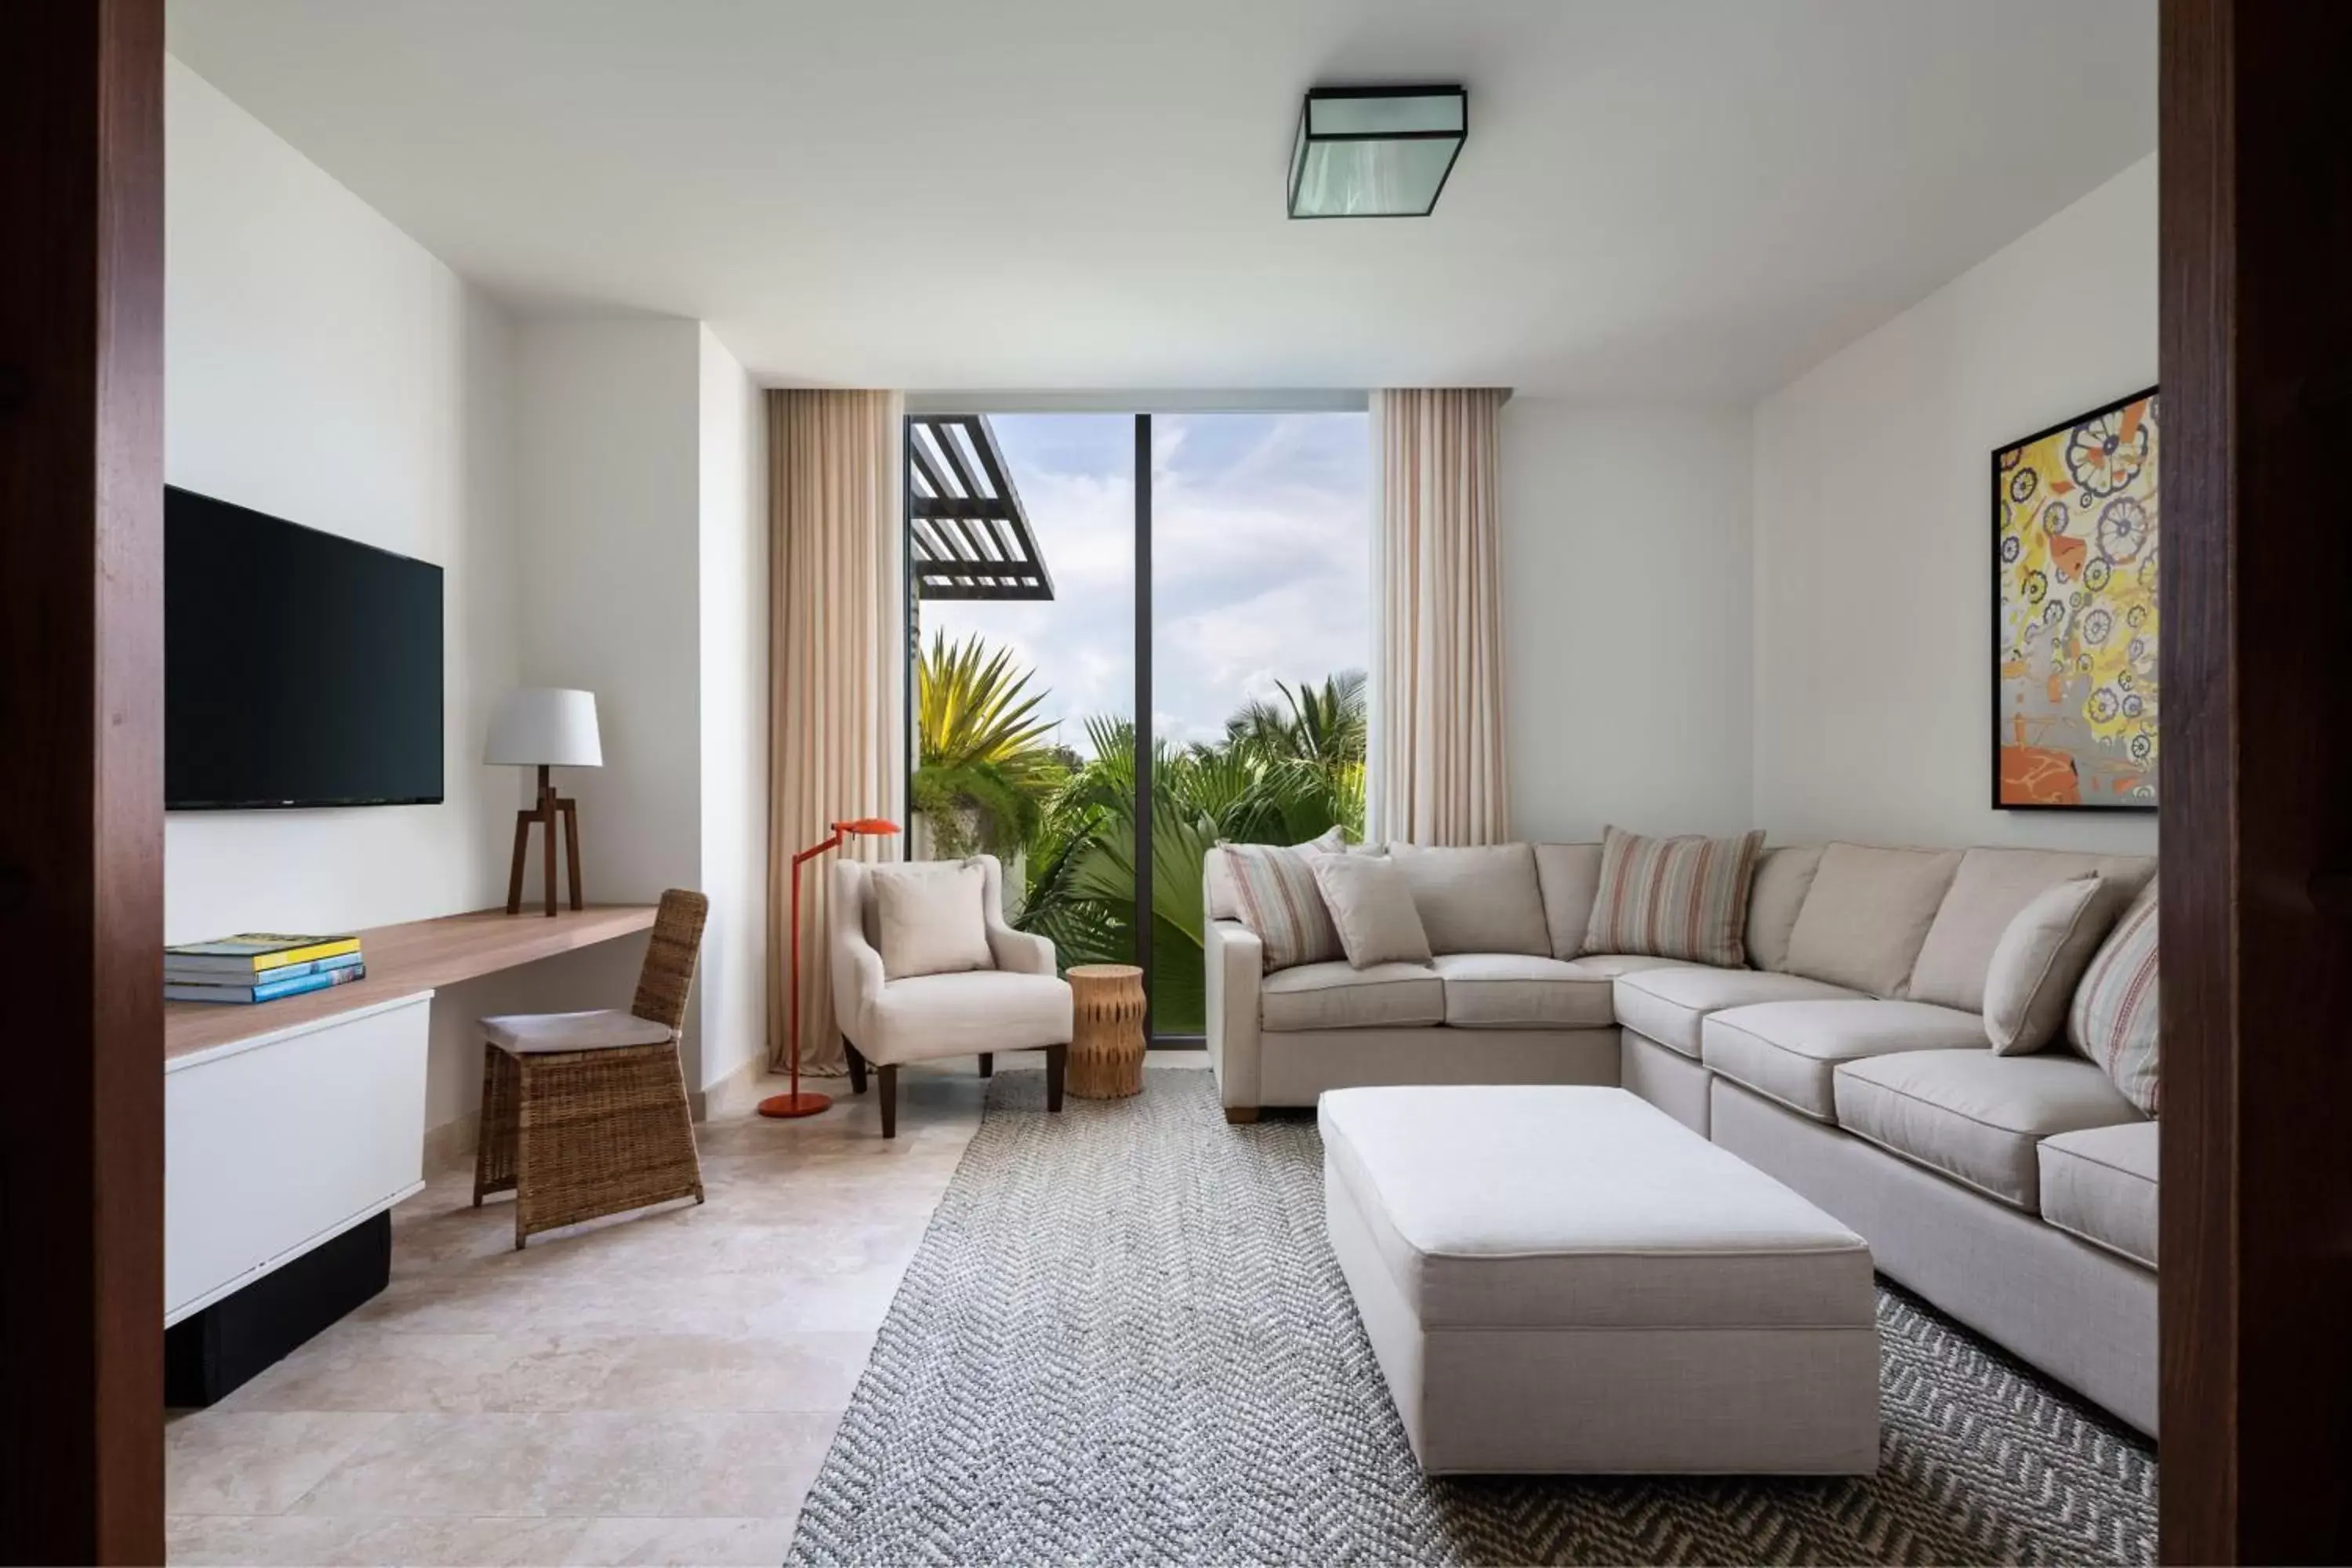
{"points": [[988, 779], [1277, 777]]}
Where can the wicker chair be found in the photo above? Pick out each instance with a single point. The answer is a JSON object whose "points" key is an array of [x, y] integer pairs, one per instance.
{"points": [[585, 1114]]}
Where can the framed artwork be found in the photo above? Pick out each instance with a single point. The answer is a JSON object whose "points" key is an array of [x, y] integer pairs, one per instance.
{"points": [[2075, 532]]}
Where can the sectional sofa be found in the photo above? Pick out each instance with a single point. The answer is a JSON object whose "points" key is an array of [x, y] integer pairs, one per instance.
{"points": [[1849, 1059]]}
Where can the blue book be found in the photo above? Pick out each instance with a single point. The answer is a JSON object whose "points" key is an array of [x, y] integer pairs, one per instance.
{"points": [[175, 992], [181, 974]]}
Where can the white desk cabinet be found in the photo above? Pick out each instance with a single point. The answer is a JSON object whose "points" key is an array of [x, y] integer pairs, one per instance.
{"points": [[279, 1141]]}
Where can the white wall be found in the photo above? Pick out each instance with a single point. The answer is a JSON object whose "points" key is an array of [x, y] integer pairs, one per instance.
{"points": [[1626, 603], [1873, 637], [608, 471], [734, 698], [319, 365]]}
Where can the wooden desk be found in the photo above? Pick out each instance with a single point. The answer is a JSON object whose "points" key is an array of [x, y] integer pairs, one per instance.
{"points": [[289, 1123], [402, 960]]}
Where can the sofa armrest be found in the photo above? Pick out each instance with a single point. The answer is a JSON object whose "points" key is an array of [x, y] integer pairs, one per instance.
{"points": [[1234, 957]]}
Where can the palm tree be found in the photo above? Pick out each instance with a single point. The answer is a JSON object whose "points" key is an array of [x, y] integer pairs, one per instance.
{"points": [[1276, 778]]}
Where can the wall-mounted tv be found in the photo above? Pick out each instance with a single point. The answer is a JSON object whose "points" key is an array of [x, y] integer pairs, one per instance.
{"points": [[299, 668]]}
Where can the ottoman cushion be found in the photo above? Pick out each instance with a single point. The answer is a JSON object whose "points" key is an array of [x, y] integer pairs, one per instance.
{"points": [[1559, 1206]]}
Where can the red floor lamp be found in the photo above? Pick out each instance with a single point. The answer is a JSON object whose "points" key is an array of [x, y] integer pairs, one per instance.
{"points": [[793, 1103]]}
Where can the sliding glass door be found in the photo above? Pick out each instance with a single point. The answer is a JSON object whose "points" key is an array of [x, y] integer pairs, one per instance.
{"points": [[1067, 573]]}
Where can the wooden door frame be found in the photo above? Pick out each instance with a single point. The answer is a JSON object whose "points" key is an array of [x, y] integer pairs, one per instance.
{"points": [[81, 797], [2256, 921]]}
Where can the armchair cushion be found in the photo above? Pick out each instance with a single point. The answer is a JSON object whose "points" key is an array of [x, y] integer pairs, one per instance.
{"points": [[929, 917], [926, 1016]]}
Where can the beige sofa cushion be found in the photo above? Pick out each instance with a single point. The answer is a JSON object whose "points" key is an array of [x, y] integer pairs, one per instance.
{"points": [[1783, 877], [1975, 1116], [1336, 996], [1612, 964], [2040, 959], [1217, 877], [1988, 891], [1866, 914], [1469, 1194], [2100, 1184], [1371, 906], [928, 919], [1513, 991], [1567, 875], [1481, 898], [1790, 1051], [1668, 1004]]}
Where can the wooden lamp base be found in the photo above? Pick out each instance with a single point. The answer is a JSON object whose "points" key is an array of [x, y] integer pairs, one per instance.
{"points": [[550, 806]]}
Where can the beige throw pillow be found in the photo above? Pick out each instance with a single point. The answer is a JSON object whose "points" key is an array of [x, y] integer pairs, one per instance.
{"points": [[2039, 960], [1371, 904], [1476, 899], [927, 918]]}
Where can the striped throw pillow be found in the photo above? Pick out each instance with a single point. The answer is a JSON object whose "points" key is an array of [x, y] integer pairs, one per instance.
{"points": [[1674, 898], [1273, 887], [2112, 1020]]}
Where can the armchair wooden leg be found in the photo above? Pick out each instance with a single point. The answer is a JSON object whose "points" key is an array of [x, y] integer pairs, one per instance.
{"points": [[1241, 1115], [1056, 1059], [988, 1064], [886, 1081], [857, 1068]]}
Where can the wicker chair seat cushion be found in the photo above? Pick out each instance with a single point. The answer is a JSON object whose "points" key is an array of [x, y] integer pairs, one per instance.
{"points": [[604, 1029]]}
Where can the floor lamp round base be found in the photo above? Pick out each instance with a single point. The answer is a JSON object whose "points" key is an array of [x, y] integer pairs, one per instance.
{"points": [[785, 1106]]}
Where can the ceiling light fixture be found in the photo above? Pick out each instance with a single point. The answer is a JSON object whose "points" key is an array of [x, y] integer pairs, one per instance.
{"points": [[1376, 151]]}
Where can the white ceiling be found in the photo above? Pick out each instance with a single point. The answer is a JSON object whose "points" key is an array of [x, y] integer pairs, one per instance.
{"points": [[1659, 198]]}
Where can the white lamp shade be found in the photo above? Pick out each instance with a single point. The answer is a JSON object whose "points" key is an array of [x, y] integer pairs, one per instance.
{"points": [[546, 726]]}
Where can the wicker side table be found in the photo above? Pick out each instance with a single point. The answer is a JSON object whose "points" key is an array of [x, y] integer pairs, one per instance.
{"points": [[1106, 1032]]}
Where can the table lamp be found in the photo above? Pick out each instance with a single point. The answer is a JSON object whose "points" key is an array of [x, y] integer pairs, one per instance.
{"points": [[794, 1102], [545, 727]]}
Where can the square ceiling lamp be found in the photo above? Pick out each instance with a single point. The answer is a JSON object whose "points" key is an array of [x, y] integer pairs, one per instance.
{"points": [[1376, 151]]}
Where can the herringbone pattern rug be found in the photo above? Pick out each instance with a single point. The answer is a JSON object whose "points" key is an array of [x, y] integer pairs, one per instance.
{"points": [[1125, 1340]]}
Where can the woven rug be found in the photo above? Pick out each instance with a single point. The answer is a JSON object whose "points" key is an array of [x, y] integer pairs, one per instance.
{"points": [[1125, 1340]]}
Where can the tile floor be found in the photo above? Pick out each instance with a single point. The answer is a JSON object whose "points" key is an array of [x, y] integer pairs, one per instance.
{"points": [[655, 1388]]}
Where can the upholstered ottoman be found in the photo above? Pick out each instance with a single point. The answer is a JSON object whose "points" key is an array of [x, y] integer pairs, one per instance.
{"points": [[1566, 1280]]}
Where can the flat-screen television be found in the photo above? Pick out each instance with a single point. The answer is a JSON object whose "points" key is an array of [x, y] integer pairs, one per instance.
{"points": [[299, 668]]}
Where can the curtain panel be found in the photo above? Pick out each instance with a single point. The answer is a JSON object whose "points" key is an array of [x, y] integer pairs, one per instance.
{"points": [[837, 658], [1439, 773]]}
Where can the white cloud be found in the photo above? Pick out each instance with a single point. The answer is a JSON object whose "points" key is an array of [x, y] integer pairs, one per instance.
{"points": [[1261, 562]]}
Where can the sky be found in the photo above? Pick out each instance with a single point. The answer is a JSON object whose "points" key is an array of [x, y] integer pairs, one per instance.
{"points": [[1261, 562]]}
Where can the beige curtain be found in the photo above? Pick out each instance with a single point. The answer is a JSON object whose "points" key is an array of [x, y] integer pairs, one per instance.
{"points": [[837, 658], [1438, 775]]}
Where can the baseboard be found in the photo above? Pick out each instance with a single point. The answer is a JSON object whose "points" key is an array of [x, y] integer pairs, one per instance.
{"points": [[452, 1142], [737, 1092]]}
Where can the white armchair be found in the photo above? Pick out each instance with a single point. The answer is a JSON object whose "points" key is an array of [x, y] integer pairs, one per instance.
{"points": [[1020, 1005]]}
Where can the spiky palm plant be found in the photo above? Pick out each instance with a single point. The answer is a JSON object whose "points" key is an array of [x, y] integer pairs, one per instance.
{"points": [[982, 770]]}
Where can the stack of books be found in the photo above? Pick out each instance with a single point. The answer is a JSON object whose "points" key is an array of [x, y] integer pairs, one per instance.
{"points": [[259, 966]]}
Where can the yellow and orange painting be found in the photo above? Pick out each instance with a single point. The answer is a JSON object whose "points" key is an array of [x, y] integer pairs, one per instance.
{"points": [[2074, 612]]}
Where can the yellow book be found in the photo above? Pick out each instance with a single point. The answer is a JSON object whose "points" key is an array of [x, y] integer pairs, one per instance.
{"points": [[256, 952]]}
